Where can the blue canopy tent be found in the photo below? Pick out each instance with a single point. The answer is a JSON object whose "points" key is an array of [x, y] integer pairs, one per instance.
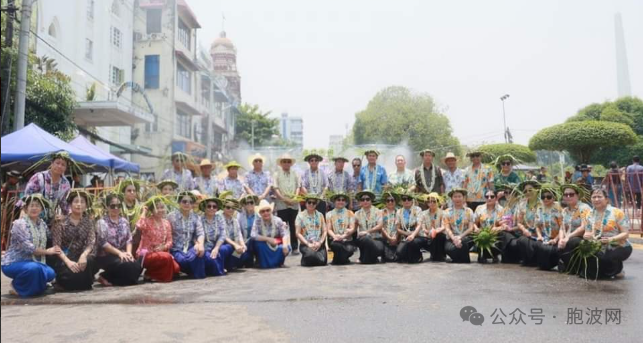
{"points": [[116, 163]]}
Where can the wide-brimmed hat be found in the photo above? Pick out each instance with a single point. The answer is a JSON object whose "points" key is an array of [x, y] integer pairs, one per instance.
{"points": [[164, 183], [505, 157], [313, 155], [264, 204], [371, 151], [449, 155], [389, 194], [206, 163], [81, 192], [312, 197], [285, 156], [227, 200], [535, 184], [475, 153], [583, 193], [427, 151], [205, 201], [27, 199], [231, 164], [433, 195], [370, 194], [462, 191], [506, 187], [244, 199], [584, 167], [186, 193], [549, 188], [129, 182], [254, 157], [340, 158], [13, 173], [334, 196]]}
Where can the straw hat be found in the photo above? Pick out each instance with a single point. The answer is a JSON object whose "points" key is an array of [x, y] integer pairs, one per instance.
{"points": [[232, 164], [458, 190], [370, 194], [334, 197], [264, 204], [186, 193], [427, 151], [285, 156], [535, 184], [247, 197], [254, 157], [449, 155], [205, 201], [313, 155], [372, 151], [14, 173], [473, 153], [206, 163], [164, 183], [340, 158]]}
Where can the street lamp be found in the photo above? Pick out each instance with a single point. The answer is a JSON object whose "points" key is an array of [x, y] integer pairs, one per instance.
{"points": [[252, 129], [504, 117]]}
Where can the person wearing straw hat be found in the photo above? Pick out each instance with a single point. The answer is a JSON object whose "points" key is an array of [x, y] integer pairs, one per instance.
{"points": [[508, 237], [75, 236], [246, 217], [407, 222], [216, 251], [258, 181], [458, 222], [527, 221], [287, 187], [432, 228], [311, 232], [428, 178], [452, 175], [188, 237], [156, 241], [339, 181], [167, 187], [270, 237], [369, 229], [179, 173], [24, 260], [231, 182], [372, 177], [549, 220], [234, 237], [314, 182], [341, 227], [357, 168], [575, 216], [478, 179], [402, 177], [389, 226], [504, 164], [205, 183]]}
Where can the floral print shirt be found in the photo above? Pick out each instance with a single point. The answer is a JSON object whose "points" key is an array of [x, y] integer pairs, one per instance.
{"points": [[275, 228], [431, 221], [549, 220], [314, 182], [476, 182], [183, 179], [233, 185], [366, 220], [340, 220], [389, 222], [608, 224], [453, 179], [258, 181], [233, 229], [405, 179], [116, 233], [408, 218], [573, 217], [457, 220], [26, 237], [214, 231], [154, 236], [207, 186], [56, 193], [373, 180], [340, 182], [486, 218], [73, 239], [185, 231], [311, 225]]}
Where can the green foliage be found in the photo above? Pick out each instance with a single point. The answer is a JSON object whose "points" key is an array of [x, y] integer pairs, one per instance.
{"points": [[265, 127], [396, 114], [521, 152], [582, 139]]}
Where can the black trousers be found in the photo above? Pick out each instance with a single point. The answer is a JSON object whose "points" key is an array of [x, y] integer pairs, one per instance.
{"points": [[408, 252], [69, 280], [312, 258], [459, 255], [118, 273], [606, 264], [509, 249], [289, 216], [473, 204], [566, 253], [390, 250], [436, 248], [370, 249], [547, 256], [342, 251], [527, 247]]}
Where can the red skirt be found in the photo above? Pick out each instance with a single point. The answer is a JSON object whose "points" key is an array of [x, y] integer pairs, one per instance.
{"points": [[160, 266]]}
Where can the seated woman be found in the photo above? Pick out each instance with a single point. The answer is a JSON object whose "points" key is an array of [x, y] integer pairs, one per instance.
{"points": [[114, 249], [549, 220], [75, 236], [527, 222], [369, 229], [167, 187], [458, 223], [216, 252], [489, 216], [508, 237], [246, 218], [389, 226], [270, 237], [341, 227], [574, 222], [24, 261], [407, 222], [156, 241], [311, 232], [188, 237], [432, 228], [609, 225], [234, 237]]}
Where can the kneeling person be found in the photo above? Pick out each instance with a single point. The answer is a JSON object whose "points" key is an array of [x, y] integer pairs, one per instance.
{"points": [[311, 232]]}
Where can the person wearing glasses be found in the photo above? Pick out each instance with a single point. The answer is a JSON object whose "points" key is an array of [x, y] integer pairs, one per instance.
{"points": [[608, 225], [314, 182], [287, 187], [432, 232], [339, 181], [179, 173], [205, 183], [369, 229], [357, 169], [270, 237], [234, 237], [407, 222], [549, 220], [458, 222], [341, 227], [311, 232], [372, 177], [130, 190], [489, 215], [508, 237], [216, 252], [246, 218], [526, 221], [575, 216], [188, 237], [506, 174], [478, 179], [114, 254], [389, 226], [156, 241], [258, 181]]}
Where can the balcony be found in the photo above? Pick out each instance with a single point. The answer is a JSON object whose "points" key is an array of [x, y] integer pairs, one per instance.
{"points": [[110, 113]]}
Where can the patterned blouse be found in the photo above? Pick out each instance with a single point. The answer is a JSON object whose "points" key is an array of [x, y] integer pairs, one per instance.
{"points": [[311, 225], [258, 181], [233, 185], [527, 216], [339, 221], [366, 221], [405, 179], [214, 231], [183, 179], [457, 220], [74, 239], [153, 237], [117, 234], [26, 237], [340, 182], [452, 180], [275, 228], [373, 180], [389, 222], [608, 224], [573, 217], [476, 182], [56, 193], [246, 223], [207, 186], [486, 218], [431, 221], [314, 182], [550, 220], [232, 229], [185, 231], [408, 218]]}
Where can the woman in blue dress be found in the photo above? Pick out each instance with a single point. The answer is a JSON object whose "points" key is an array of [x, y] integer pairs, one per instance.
{"points": [[216, 252], [246, 218], [271, 237], [234, 237]]}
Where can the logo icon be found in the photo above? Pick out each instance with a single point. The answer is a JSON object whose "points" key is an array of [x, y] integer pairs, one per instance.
{"points": [[470, 314]]}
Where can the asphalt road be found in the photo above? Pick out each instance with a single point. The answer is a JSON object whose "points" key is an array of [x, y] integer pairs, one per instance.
{"points": [[358, 303]]}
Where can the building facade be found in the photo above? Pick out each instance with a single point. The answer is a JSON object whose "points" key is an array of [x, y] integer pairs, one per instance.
{"points": [[292, 129]]}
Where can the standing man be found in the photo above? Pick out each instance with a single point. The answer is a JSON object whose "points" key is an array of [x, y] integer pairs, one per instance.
{"points": [[428, 178], [314, 182], [258, 182], [478, 180], [357, 169], [635, 179], [542, 176], [340, 181], [179, 173], [205, 183], [453, 176], [287, 187], [372, 177], [586, 180], [402, 177], [231, 182]]}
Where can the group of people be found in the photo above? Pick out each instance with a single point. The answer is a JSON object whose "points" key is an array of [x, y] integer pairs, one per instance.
{"points": [[204, 227]]}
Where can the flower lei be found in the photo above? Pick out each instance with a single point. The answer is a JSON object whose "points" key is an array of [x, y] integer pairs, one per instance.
{"points": [[38, 236], [602, 221], [372, 179], [230, 223], [340, 222], [287, 183], [406, 226], [315, 181], [427, 187], [390, 224], [365, 220], [341, 182], [313, 221], [457, 223]]}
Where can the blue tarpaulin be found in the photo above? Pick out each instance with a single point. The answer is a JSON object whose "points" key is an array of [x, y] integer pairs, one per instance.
{"points": [[116, 163]]}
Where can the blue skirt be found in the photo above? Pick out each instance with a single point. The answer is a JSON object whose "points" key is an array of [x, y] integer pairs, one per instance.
{"points": [[29, 277], [269, 258], [216, 266], [190, 263], [235, 262]]}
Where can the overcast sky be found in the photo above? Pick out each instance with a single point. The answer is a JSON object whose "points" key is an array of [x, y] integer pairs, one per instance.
{"points": [[324, 60]]}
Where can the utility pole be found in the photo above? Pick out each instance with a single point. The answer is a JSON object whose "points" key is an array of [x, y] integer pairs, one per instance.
{"points": [[6, 68], [252, 128], [504, 117], [23, 55]]}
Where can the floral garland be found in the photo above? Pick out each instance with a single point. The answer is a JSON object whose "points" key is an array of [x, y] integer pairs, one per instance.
{"points": [[390, 224], [287, 184], [340, 223], [38, 236], [341, 183], [315, 181], [427, 187], [313, 221]]}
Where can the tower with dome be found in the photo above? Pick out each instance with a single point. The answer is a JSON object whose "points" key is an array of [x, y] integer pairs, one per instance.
{"points": [[224, 57]]}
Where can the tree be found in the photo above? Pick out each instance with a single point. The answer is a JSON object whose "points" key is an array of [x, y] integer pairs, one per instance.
{"points": [[582, 139], [265, 127], [396, 114], [521, 152]]}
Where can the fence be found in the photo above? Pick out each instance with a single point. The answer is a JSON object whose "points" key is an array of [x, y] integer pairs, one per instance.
{"points": [[624, 190]]}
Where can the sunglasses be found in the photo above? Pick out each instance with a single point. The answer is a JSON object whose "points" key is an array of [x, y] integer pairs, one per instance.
{"points": [[341, 199], [506, 163], [187, 202], [286, 161], [433, 201], [250, 202], [490, 196], [569, 195], [356, 165], [258, 161], [313, 160], [365, 199], [229, 208], [212, 207], [548, 197], [114, 206], [406, 199], [311, 202], [265, 211], [390, 200]]}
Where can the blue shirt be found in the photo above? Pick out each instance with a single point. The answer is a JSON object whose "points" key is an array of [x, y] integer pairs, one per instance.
{"points": [[373, 181]]}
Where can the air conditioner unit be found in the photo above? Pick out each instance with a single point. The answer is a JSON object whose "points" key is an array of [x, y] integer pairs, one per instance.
{"points": [[138, 36]]}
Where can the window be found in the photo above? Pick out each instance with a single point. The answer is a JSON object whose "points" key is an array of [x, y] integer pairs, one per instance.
{"points": [[184, 34], [115, 9], [183, 78], [154, 20], [117, 37], [205, 91], [89, 49], [182, 124], [90, 9], [153, 127], [116, 75], [152, 72]]}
